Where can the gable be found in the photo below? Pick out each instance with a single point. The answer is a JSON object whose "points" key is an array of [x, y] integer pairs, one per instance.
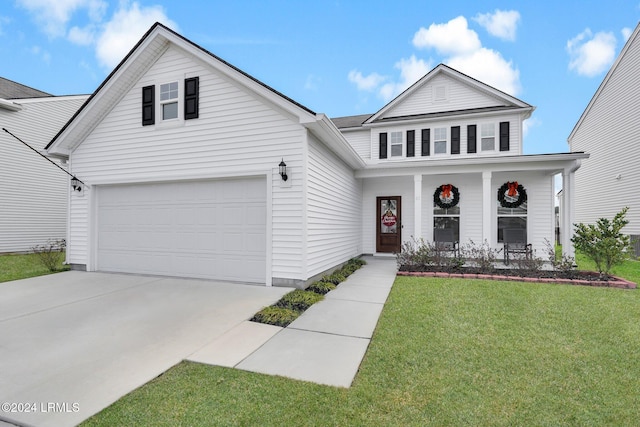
{"points": [[440, 94]]}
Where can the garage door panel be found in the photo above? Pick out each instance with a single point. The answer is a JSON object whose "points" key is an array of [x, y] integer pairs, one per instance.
{"points": [[207, 229]]}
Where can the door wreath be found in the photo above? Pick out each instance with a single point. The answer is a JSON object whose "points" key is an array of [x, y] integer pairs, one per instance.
{"points": [[511, 195], [446, 196]]}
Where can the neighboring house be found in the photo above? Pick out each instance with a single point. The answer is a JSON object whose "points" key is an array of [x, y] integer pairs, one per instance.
{"points": [[180, 154], [609, 129], [33, 192]]}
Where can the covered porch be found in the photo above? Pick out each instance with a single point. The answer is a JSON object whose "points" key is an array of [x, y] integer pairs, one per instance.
{"points": [[471, 209]]}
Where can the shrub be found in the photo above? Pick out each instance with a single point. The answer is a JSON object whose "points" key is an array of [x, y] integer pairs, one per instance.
{"points": [[336, 277], [278, 316], [299, 300], [483, 255], [603, 242], [559, 261], [321, 287], [51, 254]]}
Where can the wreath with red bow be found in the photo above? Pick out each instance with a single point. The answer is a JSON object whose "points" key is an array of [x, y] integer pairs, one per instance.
{"points": [[511, 195], [446, 196]]}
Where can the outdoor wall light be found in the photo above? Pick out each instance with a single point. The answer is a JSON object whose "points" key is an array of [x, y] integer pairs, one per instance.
{"points": [[76, 184], [283, 170]]}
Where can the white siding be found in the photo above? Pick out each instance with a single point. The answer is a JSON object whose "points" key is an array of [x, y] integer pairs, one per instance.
{"points": [[236, 134], [515, 141], [360, 140], [33, 192], [334, 206], [458, 97], [610, 133]]}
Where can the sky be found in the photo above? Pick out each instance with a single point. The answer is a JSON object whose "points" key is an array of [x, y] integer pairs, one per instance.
{"points": [[340, 57]]}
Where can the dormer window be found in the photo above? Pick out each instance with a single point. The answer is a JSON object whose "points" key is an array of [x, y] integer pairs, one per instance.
{"points": [[169, 100], [174, 102]]}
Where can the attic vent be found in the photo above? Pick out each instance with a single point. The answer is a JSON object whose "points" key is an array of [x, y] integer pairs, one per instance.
{"points": [[440, 93]]}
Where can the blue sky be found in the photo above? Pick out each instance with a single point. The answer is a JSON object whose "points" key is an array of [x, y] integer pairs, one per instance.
{"points": [[340, 57]]}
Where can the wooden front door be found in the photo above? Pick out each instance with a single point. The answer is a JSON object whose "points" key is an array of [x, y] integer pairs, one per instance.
{"points": [[388, 224]]}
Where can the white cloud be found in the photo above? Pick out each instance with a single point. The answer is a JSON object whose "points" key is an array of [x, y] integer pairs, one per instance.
{"points": [[502, 23], [626, 33], [125, 29], [452, 38], [411, 70], [461, 48], [481, 63], [489, 67], [53, 15], [591, 54], [82, 36], [367, 83]]}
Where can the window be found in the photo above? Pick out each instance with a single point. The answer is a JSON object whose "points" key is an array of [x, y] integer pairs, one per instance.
{"points": [[447, 218], [396, 144], [511, 218], [169, 100], [440, 141], [487, 137]]}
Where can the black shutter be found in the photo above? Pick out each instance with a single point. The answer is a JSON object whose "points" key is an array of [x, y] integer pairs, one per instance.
{"points": [[411, 143], [455, 140], [191, 87], [148, 105], [471, 139], [383, 146], [504, 136], [426, 141]]}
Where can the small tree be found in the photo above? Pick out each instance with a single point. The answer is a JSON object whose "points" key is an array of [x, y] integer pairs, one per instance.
{"points": [[603, 242]]}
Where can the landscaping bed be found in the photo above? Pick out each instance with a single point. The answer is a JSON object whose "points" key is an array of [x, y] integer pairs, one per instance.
{"points": [[296, 302], [575, 277]]}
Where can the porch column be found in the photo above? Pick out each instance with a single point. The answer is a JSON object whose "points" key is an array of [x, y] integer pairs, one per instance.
{"points": [[567, 219], [487, 201], [417, 207]]}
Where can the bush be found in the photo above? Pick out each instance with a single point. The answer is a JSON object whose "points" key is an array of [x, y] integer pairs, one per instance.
{"points": [[299, 300], [336, 277], [483, 255], [420, 254], [51, 254], [603, 242], [277, 316], [559, 261], [321, 288]]}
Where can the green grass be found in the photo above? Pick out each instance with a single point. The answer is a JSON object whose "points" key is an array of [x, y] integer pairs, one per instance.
{"points": [[22, 266], [445, 352]]}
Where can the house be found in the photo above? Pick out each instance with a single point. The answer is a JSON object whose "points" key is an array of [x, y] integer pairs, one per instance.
{"points": [[191, 167], [33, 192], [608, 129]]}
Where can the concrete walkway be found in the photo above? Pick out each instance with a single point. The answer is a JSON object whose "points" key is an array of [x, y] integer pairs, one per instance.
{"points": [[324, 345]]}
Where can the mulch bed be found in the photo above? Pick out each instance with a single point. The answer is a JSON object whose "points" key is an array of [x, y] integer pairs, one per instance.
{"points": [[584, 278]]}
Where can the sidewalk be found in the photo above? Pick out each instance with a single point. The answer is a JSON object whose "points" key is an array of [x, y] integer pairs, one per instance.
{"points": [[324, 345]]}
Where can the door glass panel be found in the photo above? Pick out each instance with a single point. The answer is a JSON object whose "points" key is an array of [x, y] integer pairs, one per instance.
{"points": [[389, 220]]}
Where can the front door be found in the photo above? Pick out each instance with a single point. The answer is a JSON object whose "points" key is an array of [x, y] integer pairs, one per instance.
{"points": [[388, 225]]}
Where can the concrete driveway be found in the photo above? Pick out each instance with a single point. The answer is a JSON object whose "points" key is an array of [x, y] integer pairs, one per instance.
{"points": [[72, 343]]}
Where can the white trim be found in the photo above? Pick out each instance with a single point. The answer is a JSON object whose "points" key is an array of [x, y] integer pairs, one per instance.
{"points": [[269, 231], [417, 207]]}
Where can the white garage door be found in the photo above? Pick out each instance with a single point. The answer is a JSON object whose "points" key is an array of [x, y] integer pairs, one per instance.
{"points": [[204, 229]]}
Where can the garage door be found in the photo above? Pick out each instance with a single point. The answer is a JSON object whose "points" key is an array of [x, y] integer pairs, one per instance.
{"points": [[203, 229]]}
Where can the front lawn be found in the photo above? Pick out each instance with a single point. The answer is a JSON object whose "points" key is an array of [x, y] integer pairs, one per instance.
{"points": [[22, 266], [445, 352]]}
